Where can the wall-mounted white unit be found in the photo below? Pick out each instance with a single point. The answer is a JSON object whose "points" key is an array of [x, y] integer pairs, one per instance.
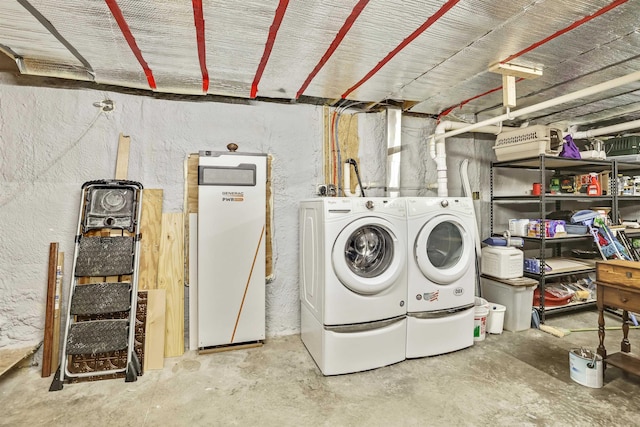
{"points": [[231, 248]]}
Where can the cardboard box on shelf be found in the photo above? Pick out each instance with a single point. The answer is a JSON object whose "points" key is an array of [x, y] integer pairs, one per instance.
{"points": [[552, 228]]}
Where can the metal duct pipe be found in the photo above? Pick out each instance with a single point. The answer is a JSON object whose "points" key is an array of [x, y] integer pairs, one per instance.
{"points": [[607, 130], [620, 81], [394, 149]]}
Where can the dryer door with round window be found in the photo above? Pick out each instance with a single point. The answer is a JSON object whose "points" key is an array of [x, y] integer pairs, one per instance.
{"points": [[367, 256], [444, 249]]}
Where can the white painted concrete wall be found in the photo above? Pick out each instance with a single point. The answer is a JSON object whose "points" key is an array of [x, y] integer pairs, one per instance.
{"points": [[54, 139]]}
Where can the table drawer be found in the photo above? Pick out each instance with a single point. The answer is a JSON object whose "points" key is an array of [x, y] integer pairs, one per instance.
{"points": [[619, 272], [619, 298]]}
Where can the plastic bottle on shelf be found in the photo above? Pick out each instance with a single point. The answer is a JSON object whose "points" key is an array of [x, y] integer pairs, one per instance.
{"points": [[594, 189], [620, 183]]}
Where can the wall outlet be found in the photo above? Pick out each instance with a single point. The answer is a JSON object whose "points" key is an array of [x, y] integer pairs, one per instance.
{"points": [[326, 190], [321, 189]]}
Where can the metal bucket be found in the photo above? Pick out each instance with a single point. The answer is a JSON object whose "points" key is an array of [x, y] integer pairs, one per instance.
{"points": [[586, 367]]}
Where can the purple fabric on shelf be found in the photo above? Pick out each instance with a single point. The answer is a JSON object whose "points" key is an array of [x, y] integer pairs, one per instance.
{"points": [[569, 148]]}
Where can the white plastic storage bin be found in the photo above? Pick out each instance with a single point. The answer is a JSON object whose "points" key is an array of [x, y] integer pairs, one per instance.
{"points": [[516, 295], [519, 227], [503, 262]]}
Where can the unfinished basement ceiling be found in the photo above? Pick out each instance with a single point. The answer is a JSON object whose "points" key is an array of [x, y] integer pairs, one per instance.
{"points": [[431, 56]]}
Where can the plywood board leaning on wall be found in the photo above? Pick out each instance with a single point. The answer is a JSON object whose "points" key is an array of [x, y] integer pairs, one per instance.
{"points": [[268, 244], [122, 161], [151, 231], [192, 184], [11, 357], [171, 279], [155, 329], [191, 207]]}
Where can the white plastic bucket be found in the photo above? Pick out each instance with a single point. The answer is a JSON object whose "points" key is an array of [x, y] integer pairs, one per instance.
{"points": [[480, 319], [495, 320], [586, 367], [481, 302]]}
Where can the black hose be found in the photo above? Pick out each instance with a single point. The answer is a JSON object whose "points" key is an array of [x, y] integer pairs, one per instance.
{"points": [[353, 163]]}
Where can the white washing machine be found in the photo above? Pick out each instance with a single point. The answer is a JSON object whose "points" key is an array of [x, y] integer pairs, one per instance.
{"points": [[441, 275], [353, 282]]}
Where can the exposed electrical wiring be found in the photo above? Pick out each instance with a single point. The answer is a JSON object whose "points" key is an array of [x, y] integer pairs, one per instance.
{"points": [[337, 170], [333, 177], [338, 155]]}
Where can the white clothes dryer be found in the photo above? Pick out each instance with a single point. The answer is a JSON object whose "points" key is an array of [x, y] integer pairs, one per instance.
{"points": [[441, 275], [353, 282]]}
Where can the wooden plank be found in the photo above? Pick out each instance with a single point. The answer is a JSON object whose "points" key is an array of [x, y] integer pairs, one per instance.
{"points": [[192, 183], [48, 319], [171, 278], [154, 329], [190, 205], [122, 161], [55, 349], [628, 362], [151, 231], [193, 282], [11, 357], [268, 235]]}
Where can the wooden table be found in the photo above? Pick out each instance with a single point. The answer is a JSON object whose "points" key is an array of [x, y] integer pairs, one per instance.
{"points": [[618, 284]]}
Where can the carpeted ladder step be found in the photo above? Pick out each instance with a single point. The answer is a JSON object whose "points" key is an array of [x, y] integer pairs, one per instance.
{"points": [[98, 336], [105, 256], [100, 298]]}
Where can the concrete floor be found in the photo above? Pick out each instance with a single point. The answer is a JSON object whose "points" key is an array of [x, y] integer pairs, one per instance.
{"points": [[510, 379]]}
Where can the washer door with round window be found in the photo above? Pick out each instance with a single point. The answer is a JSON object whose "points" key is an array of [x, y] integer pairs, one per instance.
{"points": [[367, 256], [444, 249]]}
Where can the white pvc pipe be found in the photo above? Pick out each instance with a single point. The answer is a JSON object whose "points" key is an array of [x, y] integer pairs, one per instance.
{"points": [[613, 129], [438, 153], [611, 114], [440, 156], [394, 150], [346, 175], [620, 81]]}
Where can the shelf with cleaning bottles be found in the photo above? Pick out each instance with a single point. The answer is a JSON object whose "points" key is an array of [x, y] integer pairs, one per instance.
{"points": [[590, 186]]}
